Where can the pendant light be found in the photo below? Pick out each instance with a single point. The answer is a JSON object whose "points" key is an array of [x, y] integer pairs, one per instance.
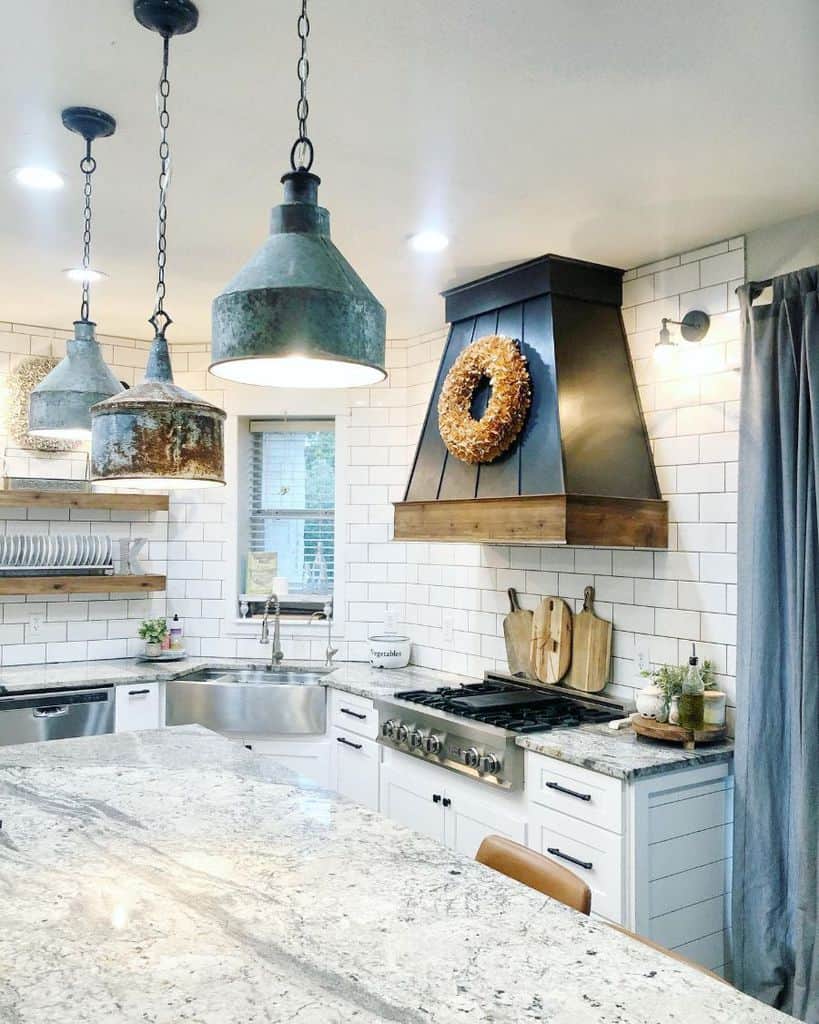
{"points": [[60, 405], [157, 435], [298, 315]]}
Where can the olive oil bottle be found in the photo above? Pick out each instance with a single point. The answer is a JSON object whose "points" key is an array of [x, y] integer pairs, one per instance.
{"points": [[692, 699]]}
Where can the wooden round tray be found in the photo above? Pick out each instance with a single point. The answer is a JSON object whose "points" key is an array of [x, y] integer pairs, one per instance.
{"points": [[689, 738]]}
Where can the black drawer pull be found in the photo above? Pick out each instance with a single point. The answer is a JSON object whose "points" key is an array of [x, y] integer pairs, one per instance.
{"points": [[248, 746], [568, 792], [352, 714], [447, 802], [587, 864], [137, 693], [436, 798], [349, 743]]}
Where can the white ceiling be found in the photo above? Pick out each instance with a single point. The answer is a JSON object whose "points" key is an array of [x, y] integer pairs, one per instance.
{"points": [[609, 130]]}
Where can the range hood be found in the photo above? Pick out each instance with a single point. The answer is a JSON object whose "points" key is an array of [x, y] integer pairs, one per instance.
{"points": [[581, 470]]}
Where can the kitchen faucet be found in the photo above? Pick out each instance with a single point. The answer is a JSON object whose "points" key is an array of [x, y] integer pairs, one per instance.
{"points": [[276, 652], [327, 614]]}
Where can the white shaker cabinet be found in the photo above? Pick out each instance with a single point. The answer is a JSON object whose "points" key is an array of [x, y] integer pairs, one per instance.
{"points": [[307, 756], [354, 767], [137, 706], [655, 851], [456, 812]]}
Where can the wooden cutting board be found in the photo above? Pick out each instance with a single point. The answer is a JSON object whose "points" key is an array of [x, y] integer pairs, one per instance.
{"points": [[591, 649], [551, 650], [517, 632]]}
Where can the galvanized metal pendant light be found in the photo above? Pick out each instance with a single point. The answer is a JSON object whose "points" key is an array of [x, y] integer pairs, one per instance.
{"points": [[60, 405], [158, 435], [298, 315]]}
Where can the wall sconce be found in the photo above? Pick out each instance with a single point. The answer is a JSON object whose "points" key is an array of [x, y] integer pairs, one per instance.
{"points": [[693, 327]]}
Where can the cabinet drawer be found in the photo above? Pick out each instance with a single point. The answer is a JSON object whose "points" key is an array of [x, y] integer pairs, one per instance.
{"points": [[353, 714], [354, 763], [137, 707], [568, 789], [596, 856]]}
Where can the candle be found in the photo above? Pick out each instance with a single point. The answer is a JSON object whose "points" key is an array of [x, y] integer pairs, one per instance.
{"points": [[280, 588]]}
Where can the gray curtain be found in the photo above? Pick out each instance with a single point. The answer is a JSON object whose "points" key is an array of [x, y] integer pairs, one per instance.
{"points": [[776, 948]]}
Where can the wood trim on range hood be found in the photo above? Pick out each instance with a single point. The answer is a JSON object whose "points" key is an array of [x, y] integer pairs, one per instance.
{"points": [[537, 519], [581, 470]]}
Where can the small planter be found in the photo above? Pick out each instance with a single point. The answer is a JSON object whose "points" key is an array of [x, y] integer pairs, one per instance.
{"points": [[153, 650]]}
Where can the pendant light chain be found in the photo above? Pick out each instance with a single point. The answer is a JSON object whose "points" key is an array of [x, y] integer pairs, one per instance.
{"points": [[301, 155], [160, 319], [87, 165]]}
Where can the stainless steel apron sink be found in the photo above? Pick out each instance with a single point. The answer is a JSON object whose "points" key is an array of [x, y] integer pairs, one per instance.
{"points": [[282, 701]]}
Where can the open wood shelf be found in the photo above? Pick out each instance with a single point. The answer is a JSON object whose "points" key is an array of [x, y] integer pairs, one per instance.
{"points": [[536, 519], [79, 584], [84, 500]]}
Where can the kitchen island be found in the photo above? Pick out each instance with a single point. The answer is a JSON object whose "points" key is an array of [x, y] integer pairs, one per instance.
{"points": [[173, 876]]}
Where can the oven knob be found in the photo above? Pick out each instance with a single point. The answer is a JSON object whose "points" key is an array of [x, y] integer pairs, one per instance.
{"points": [[490, 765], [401, 733], [415, 740], [471, 757], [388, 729], [432, 744]]}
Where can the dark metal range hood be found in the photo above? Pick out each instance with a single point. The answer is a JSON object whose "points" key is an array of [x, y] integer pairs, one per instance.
{"points": [[581, 471]]}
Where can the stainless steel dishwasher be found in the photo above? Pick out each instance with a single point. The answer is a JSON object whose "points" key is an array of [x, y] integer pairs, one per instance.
{"points": [[55, 715]]}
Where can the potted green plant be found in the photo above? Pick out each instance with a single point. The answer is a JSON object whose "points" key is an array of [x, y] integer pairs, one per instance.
{"points": [[153, 632], [668, 680]]}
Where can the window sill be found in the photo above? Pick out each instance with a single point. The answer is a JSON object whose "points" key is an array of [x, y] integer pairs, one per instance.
{"points": [[289, 626]]}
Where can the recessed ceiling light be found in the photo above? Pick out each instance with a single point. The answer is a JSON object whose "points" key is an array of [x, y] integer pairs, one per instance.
{"points": [[428, 241], [81, 275], [38, 177]]}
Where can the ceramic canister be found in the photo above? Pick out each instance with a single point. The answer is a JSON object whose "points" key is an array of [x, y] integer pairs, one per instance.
{"points": [[650, 702], [714, 707], [389, 650]]}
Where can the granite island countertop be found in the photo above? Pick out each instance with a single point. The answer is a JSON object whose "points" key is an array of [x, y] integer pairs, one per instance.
{"points": [[173, 876]]}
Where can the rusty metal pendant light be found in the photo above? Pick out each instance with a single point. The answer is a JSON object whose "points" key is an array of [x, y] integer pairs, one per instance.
{"points": [[60, 405], [158, 435], [298, 315]]}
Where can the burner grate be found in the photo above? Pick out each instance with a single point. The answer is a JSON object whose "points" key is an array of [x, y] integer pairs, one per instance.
{"points": [[541, 713]]}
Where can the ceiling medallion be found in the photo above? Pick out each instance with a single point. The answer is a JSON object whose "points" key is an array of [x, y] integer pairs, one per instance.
{"points": [[298, 315], [158, 435]]}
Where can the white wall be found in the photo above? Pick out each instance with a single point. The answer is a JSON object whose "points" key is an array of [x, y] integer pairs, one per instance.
{"points": [[658, 601], [72, 627], [451, 598], [780, 248]]}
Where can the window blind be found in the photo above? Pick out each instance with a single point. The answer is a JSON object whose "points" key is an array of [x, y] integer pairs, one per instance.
{"points": [[292, 504]]}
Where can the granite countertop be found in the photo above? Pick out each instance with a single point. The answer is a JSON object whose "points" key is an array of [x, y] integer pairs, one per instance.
{"points": [[173, 876], [621, 753], [352, 676], [618, 754]]}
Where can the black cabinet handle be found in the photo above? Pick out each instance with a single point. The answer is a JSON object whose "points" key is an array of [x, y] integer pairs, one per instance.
{"points": [[555, 852], [568, 792], [248, 746], [349, 743], [447, 801], [137, 693], [352, 714], [436, 798]]}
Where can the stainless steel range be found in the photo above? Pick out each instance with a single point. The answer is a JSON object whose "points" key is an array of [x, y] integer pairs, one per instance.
{"points": [[472, 729]]}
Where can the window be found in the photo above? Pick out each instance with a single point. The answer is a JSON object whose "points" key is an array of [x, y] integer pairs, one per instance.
{"points": [[291, 530]]}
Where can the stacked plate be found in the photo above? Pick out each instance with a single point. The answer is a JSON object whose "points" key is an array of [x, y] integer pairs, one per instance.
{"points": [[67, 554]]}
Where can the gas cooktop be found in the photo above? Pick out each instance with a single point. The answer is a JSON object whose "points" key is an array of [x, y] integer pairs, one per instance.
{"points": [[509, 706], [471, 729]]}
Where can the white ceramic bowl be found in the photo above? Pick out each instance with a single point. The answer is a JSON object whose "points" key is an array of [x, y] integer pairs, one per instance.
{"points": [[389, 650]]}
